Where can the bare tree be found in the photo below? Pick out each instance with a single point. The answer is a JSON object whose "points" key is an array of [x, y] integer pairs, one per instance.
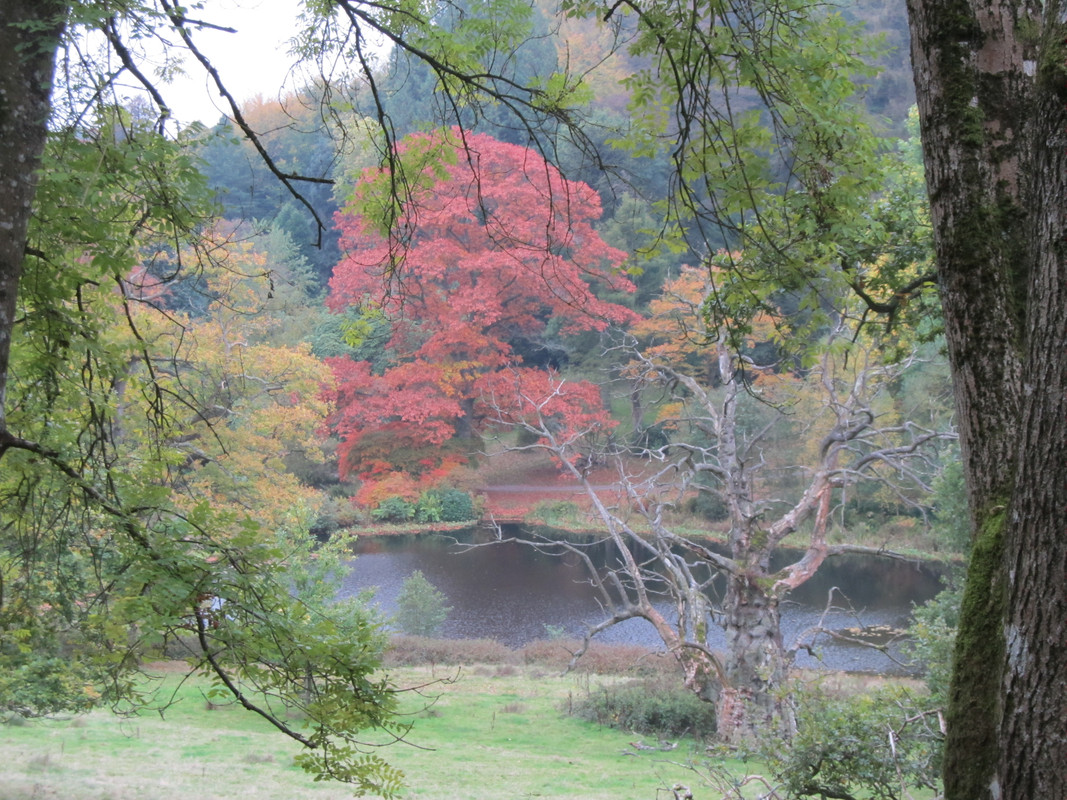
{"points": [[839, 406]]}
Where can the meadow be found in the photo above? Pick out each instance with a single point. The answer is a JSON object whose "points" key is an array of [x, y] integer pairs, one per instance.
{"points": [[479, 731]]}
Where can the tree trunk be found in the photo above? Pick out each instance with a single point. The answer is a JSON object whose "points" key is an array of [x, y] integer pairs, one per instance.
{"points": [[990, 83], [1033, 730], [29, 37], [751, 703], [465, 423]]}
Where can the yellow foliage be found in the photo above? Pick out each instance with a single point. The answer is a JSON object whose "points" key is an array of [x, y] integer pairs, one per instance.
{"points": [[237, 403]]}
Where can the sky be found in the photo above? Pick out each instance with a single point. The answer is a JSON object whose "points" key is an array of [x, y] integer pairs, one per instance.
{"points": [[255, 60]]}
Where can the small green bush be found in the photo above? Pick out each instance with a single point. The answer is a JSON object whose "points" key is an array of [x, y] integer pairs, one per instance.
{"points": [[393, 509], [456, 505], [443, 505], [421, 608], [428, 509], [879, 745], [648, 706]]}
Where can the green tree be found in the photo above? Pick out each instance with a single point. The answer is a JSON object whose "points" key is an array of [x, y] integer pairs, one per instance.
{"points": [[124, 523], [144, 475], [633, 229], [421, 608], [302, 140]]}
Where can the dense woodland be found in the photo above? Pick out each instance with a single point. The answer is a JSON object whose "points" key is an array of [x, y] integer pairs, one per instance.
{"points": [[708, 252], [375, 335]]}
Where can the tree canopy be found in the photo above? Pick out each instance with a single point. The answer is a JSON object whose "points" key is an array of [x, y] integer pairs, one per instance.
{"points": [[498, 248], [143, 503]]}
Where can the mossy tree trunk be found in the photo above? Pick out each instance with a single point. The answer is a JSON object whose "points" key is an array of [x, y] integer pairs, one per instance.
{"points": [[752, 702], [992, 93], [29, 37]]}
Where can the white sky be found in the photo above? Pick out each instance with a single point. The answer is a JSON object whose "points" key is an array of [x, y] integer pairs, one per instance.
{"points": [[255, 60]]}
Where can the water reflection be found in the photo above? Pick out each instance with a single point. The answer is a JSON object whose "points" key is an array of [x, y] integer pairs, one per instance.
{"points": [[512, 593]]}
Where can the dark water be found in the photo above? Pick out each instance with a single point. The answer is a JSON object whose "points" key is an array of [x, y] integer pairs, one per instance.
{"points": [[511, 593]]}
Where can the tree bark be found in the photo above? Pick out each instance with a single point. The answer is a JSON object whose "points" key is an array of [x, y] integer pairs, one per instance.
{"points": [[29, 36], [750, 703], [1033, 730], [993, 108]]}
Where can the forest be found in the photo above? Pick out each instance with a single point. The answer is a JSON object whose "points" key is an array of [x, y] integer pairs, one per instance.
{"points": [[718, 265]]}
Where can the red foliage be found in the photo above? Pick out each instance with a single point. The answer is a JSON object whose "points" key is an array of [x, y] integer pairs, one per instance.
{"points": [[536, 399], [500, 245], [499, 242]]}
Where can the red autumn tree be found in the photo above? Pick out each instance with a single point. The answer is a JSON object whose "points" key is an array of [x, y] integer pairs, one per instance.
{"points": [[496, 245]]}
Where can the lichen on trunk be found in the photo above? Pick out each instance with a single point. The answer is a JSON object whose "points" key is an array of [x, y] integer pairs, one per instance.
{"points": [[752, 701]]}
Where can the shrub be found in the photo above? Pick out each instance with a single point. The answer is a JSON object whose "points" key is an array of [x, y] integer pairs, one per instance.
{"points": [[456, 505], [393, 509], [708, 505], [445, 505], [876, 745], [932, 638], [648, 706], [421, 606], [336, 513], [428, 509], [33, 686]]}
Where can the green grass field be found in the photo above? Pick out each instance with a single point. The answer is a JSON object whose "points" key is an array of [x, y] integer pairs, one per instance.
{"points": [[493, 732]]}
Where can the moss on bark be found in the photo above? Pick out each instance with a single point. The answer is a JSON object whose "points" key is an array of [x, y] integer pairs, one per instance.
{"points": [[971, 752]]}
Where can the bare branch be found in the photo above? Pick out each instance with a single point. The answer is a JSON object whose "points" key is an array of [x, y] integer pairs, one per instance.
{"points": [[179, 22]]}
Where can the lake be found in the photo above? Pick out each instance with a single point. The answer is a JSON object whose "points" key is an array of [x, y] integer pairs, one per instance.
{"points": [[514, 594]]}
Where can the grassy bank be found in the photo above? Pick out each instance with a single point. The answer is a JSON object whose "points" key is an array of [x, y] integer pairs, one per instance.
{"points": [[479, 730], [486, 722]]}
